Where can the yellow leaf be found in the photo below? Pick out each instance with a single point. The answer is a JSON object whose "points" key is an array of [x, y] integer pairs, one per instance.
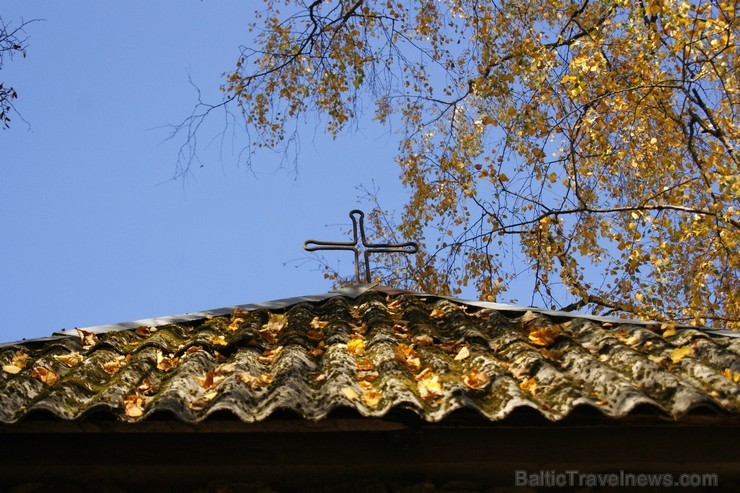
{"points": [[71, 359], [476, 380], [428, 384], [20, 359], [529, 385], [133, 405], [670, 330], [12, 369], [317, 323], [356, 346], [543, 336], [166, 363], [680, 353], [210, 380], [349, 393], [88, 339], [462, 354], [49, 377], [219, 340], [371, 398], [731, 375], [437, 313]]}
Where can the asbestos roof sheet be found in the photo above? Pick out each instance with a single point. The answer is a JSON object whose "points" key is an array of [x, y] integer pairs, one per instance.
{"points": [[371, 352]]}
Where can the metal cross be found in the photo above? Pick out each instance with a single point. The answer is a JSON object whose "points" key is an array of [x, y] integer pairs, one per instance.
{"points": [[367, 247]]}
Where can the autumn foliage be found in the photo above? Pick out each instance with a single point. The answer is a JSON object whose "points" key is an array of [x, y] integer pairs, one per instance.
{"points": [[587, 148]]}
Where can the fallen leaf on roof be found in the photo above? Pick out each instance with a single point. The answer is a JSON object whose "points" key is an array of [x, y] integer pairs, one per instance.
{"points": [[235, 322], [49, 377], [133, 405], [116, 364], [219, 340], [72, 359], [428, 384], [210, 380], [528, 316], [732, 376], [147, 387], [423, 340], [166, 363], [144, 331], [680, 353], [272, 328], [268, 357], [254, 382], [12, 369], [462, 354], [320, 377], [225, 368], [367, 375], [88, 339], [371, 398], [669, 330], [476, 379], [364, 365], [356, 346], [202, 402], [543, 336], [349, 393], [529, 385], [407, 355], [20, 359], [317, 323], [437, 313]]}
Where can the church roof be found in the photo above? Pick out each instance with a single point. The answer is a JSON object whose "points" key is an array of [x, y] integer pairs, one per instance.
{"points": [[371, 351]]}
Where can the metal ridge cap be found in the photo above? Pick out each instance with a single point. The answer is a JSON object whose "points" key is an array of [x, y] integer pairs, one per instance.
{"points": [[190, 316], [574, 315]]}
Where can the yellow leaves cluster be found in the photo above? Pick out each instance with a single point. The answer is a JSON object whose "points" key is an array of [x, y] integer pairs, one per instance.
{"points": [[429, 385], [72, 359], [528, 385], [730, 375], [254, 382], [19, 361], [407, 355], [133, 405], [680, 353], [44, 375], [88, 339], [166, 363], [112, 367], [275, 324], [269, 355], [210, 380], [476, 379], [237, 318], [544, 335], [144, 331], [356, 346]]}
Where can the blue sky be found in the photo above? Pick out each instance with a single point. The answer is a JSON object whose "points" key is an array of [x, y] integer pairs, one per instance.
{"points": [[92, 229]]}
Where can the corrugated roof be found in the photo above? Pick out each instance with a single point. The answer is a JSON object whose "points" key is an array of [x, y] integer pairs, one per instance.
{"points": [[371, 353]]}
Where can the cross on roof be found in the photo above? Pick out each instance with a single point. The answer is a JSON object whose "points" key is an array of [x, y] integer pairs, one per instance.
{"points": [[366, 247]]}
